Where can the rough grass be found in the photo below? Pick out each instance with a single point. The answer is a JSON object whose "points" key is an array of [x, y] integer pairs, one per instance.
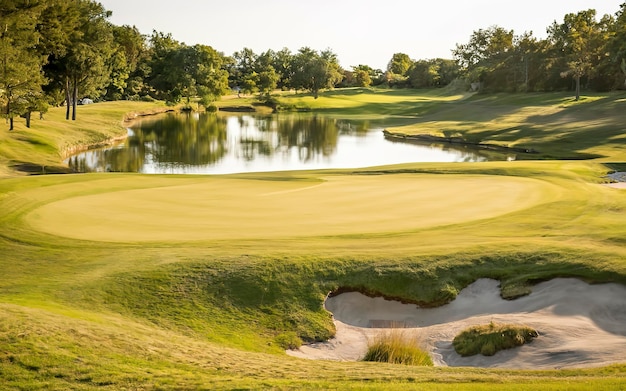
{"points": [[397, 346], [491, 338]]}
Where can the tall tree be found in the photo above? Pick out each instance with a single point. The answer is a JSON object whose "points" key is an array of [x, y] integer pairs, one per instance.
{"points": [[485, 55], [209, 79], [164, 67], [267, 77], [244, 72], [282, 65], [81, 61], [20, 64], [313, 71], [362, 75], [580, 39], [399, 64], [179, 71], [397, 70], [616, 46], [129, 49]]}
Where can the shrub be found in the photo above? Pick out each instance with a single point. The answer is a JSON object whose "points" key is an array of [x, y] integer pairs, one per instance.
{"points": [[491, 338], [396, 347]]}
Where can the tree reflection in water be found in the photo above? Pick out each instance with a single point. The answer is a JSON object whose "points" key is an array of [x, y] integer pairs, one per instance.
{"points": [[217, 143]]}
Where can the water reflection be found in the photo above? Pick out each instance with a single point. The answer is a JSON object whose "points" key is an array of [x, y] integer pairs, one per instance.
{"points": [[215, 143]]}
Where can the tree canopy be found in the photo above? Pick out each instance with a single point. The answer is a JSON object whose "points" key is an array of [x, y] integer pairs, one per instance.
{"points": [[56, 52]]}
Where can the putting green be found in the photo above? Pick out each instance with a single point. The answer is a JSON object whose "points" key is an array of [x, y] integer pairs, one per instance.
{"points": [[217, 208]]}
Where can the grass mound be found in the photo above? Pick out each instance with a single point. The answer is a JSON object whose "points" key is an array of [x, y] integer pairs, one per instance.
{"points": [[397, 347], [491, 338]]}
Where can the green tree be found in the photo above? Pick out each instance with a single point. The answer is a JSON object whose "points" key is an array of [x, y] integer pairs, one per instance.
{"points": [[164, 67], [313, 71], [363, 75], [615, 63], [21, 74], [82, 63], [483, 59], [267, 77], [209, 79], [397, 70], [244, 73], [399, 64], [179, 71], [58, 27], [424, 74], [129, 51], [580, 40], [282, 63]]}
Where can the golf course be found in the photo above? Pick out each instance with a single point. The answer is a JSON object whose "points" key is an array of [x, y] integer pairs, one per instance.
{"points": [[129, 281]]}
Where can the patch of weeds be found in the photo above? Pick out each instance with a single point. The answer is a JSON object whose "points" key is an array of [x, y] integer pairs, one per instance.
{"points": [[397, 346], [491, 338]]}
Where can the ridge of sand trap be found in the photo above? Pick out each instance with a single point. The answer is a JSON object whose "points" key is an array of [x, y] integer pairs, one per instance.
{"points": [[579, 325]]}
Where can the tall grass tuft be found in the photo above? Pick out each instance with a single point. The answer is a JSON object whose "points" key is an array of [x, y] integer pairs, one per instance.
{"points": [[397, 346], [491, 338]]}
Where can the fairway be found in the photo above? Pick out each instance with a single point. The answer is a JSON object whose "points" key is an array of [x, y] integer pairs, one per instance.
{"points": [[218, 208]]}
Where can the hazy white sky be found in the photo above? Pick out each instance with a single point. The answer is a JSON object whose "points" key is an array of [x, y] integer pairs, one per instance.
{"points": [[358, 31]]}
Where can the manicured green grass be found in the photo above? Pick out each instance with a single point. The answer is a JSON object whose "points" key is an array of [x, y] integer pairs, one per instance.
{"points": [[491, 338], [113, 281]]}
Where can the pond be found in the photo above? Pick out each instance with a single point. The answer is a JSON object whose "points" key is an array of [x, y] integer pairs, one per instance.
{"points": [[206, 143]]}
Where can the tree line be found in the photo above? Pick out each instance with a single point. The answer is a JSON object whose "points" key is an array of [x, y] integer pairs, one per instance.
{"points": [[55, 52]]}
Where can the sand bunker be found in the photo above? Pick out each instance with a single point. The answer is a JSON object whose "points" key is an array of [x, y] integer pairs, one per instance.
{"points": [[579, 325]]}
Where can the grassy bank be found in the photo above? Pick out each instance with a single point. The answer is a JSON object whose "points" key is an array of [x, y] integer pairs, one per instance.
{"points": [[100, 292], [41, 148]]}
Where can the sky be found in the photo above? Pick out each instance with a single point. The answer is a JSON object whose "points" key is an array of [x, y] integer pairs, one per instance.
{"points": [[364, 32]]}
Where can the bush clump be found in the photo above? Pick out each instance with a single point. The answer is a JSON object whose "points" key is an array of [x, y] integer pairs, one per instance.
{"points": [[396, 347], [491, 338]]}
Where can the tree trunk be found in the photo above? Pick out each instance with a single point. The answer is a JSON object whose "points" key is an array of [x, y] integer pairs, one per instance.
{"points": [[27, 116], [67, 98], [74, 99], [9, 113], [577, 88]]}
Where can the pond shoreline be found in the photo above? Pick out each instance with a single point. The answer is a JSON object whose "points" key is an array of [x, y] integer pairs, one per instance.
{"points": [[128, 119], [423, 138]]}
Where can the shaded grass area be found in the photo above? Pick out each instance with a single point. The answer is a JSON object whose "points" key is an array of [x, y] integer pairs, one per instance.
{"points": [[491, 338], [552, 124]]}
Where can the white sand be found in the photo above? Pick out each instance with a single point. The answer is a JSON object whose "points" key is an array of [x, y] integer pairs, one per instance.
{"points": [[579, 325]]}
